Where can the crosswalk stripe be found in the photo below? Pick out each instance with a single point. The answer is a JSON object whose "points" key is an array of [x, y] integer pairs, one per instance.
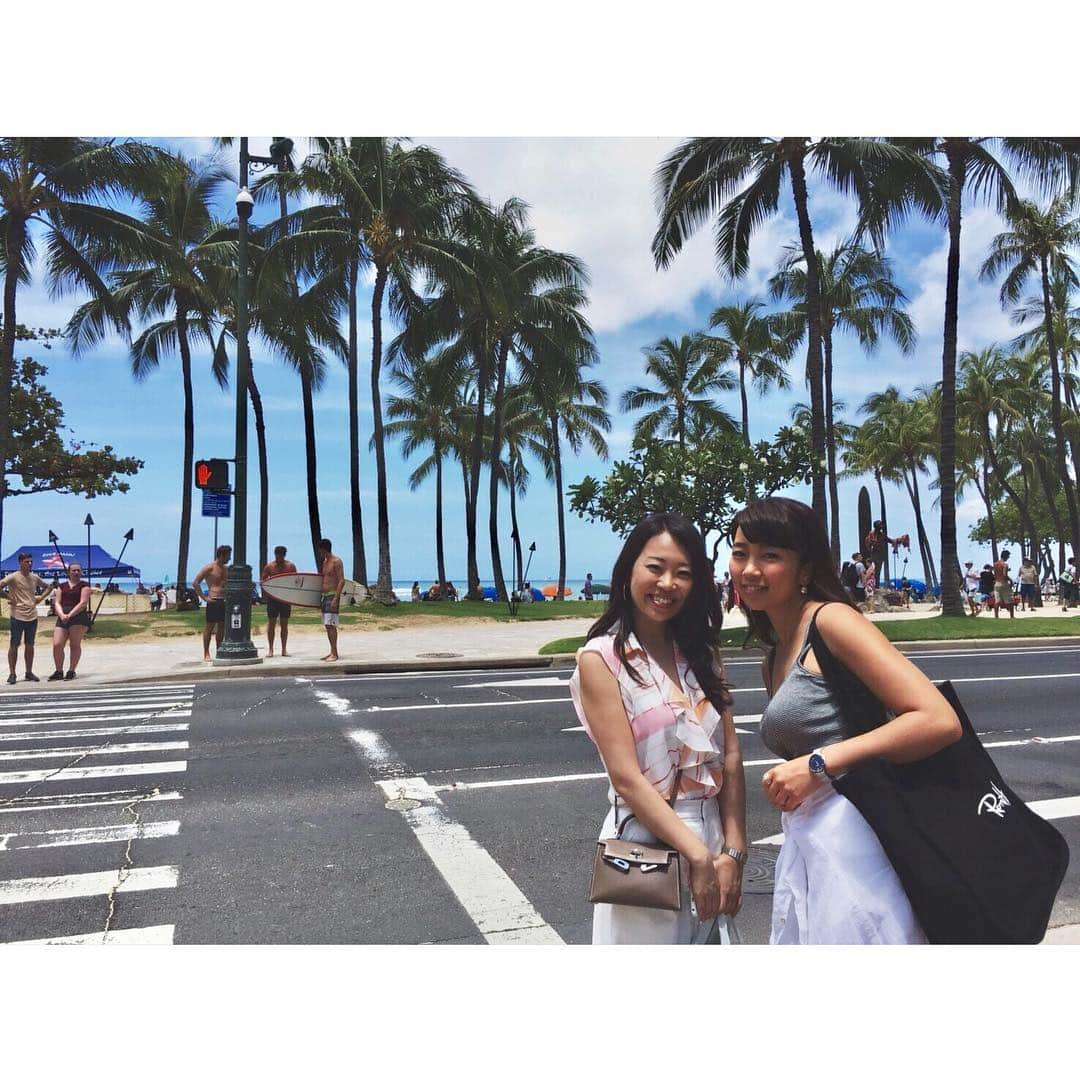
{"points": [[141, 935], [94, 834], [93, 772], [107, 718], [40, 804], [100, 691], [81, 733], [112, 748], [93, 710], [68, 886]]}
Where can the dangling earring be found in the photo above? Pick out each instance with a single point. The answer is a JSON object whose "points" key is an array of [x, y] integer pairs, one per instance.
{"points": [[802, 589]]}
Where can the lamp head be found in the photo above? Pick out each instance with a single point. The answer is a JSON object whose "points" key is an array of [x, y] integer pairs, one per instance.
{"points": [[244, 203], [280, 149]]}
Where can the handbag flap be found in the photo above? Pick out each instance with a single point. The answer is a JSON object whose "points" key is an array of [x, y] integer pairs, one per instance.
{"points": [[636, 854]]}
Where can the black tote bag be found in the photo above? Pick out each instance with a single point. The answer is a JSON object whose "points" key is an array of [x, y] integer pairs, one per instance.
{"points": [[979, 866]]}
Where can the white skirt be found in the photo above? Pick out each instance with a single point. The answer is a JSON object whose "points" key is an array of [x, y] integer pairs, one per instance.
{"points": [[834, 882], [620, 924]]}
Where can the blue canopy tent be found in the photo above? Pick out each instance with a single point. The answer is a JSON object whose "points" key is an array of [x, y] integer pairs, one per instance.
{"points": [[48, 564]]}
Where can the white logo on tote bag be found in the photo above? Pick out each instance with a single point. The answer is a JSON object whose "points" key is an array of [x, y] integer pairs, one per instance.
{"points": [[994, 802]]}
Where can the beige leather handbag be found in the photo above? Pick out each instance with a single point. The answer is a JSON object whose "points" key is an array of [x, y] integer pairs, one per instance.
{"points": [[639, 875]]}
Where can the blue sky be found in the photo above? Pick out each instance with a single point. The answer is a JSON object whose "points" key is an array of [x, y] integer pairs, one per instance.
{"points": [[589, 196]]}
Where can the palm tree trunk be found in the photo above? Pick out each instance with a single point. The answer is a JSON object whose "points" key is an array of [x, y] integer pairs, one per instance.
{"points": [[359, 563], [813, 323], [830, 446], [264, 471], [384, 585], [743, 401], [1055, 416], [884, 518], [952, 601], [556, 459], [1047, 484], [189, 455], [440, 555], [999, 473], [988, 502], [494, 468], [471, 508], [13, 261], [312, 466], [924, 541], [514, 533]]}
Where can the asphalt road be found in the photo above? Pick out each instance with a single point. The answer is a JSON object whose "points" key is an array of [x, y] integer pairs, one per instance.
{"points": [[450, 807]]}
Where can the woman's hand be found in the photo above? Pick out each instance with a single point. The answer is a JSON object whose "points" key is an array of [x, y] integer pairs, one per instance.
{"points": [[729, 875], [705, 887], [786, 786]]}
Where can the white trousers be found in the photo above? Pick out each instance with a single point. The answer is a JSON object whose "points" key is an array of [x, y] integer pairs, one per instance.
{"points": [[834, 883], [620, 924]]}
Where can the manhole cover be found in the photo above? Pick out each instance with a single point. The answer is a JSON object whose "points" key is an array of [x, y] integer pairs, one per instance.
{"points": [[402, 804], [760, 870], [438, 655]]}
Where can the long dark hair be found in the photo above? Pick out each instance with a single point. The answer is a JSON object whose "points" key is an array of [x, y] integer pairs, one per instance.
{"points": [[790, 524], [697, 626]]}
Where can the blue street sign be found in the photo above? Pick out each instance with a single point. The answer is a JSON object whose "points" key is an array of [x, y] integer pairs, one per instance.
{"points": [[216, 504]]}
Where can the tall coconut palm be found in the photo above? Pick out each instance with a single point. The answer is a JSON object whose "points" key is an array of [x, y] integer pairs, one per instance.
{"points": [[421, 418], [759, 344], [389, 208], [573, 407], [1038, 242], [738, 180], [179, 283], [524, 431], [61, 191], [857, 295], [932, 182], [686, 373]]}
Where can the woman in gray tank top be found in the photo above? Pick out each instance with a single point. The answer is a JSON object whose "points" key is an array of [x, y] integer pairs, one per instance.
{"points": [[834, 884]]}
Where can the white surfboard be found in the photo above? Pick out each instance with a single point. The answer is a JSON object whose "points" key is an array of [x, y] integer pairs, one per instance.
{"points": [[305, 590]]}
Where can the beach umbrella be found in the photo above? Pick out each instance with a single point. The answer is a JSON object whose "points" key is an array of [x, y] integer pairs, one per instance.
{"points": [[489, 592], [551, 590]]}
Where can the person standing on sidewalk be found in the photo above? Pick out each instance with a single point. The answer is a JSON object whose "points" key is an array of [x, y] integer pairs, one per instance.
{"points": [[214, 574], [1003, 590], [649, 689], [834, 884], [71, 606], [1029, 578], [275, 609], [333, 581], [21, 589], [1067, 585]]}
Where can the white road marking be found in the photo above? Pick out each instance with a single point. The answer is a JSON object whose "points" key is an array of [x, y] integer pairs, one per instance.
{"points": [[750, 718], [142, 935], [93, 772], [1035, 740], [524, 781], [500, 910], [45, 710], [339, 706], [39, 804], [102, 691], [543, 680], [35, 723], [1055, 809], [776, 839], [80, 733], [1018, 678], [95, 834], [79, 751], [469, 705], [66, 886]]}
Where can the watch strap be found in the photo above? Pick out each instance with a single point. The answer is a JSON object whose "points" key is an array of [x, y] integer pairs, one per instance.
{"points": [[734, 853]]}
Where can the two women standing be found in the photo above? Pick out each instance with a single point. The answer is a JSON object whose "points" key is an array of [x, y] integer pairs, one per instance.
{"points": [[650, 690]]}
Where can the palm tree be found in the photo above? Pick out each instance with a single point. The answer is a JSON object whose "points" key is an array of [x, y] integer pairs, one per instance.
{"points": [[180, 282], [685, 372], [421, 417], [390, 208], [1039, 242], [741, 178], [919, 184], [760, 345], [574, 408], [858, 295], [55, 189], [524, 431]]}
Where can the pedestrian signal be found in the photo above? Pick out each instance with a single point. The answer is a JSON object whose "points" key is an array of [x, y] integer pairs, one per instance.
{"points": [[212, 475]]}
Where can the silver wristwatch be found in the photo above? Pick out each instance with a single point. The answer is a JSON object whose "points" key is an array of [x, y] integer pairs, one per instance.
{"points": [[739, 856]]}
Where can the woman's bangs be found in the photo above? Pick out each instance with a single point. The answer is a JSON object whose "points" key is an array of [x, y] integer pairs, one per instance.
{"points": [[761, 524]]}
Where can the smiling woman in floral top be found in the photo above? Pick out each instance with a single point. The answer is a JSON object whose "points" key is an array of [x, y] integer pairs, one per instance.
{"points": [[649, 689]]}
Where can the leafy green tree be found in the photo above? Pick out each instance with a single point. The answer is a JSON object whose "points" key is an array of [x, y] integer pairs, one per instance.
{"points": [[59, 190], [1039, 242], [686, 371], [39, 456], [172, 284]]}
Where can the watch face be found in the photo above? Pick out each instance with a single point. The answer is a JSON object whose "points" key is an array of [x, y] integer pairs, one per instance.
{"points": [[817, 763]]}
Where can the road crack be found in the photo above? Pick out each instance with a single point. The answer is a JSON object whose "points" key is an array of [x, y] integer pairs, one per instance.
{"points": [[128, 861]]}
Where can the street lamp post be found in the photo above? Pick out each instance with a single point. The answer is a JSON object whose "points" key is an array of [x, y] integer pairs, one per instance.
{"points": [[237, 647]]}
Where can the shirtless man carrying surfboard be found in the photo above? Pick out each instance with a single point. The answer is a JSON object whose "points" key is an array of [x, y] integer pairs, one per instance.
{"points": [[333, 581], [275, 609]]}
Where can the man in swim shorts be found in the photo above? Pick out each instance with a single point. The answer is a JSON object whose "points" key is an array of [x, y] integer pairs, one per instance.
{"points": [[276, 609], [22, 589], [333, 581], [214, 574]]}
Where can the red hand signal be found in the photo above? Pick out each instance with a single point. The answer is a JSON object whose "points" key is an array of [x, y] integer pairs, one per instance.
{"points": [[203, 472]]}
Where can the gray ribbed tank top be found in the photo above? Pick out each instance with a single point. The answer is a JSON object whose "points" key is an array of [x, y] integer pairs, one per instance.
{"points": [[803, 715]]}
